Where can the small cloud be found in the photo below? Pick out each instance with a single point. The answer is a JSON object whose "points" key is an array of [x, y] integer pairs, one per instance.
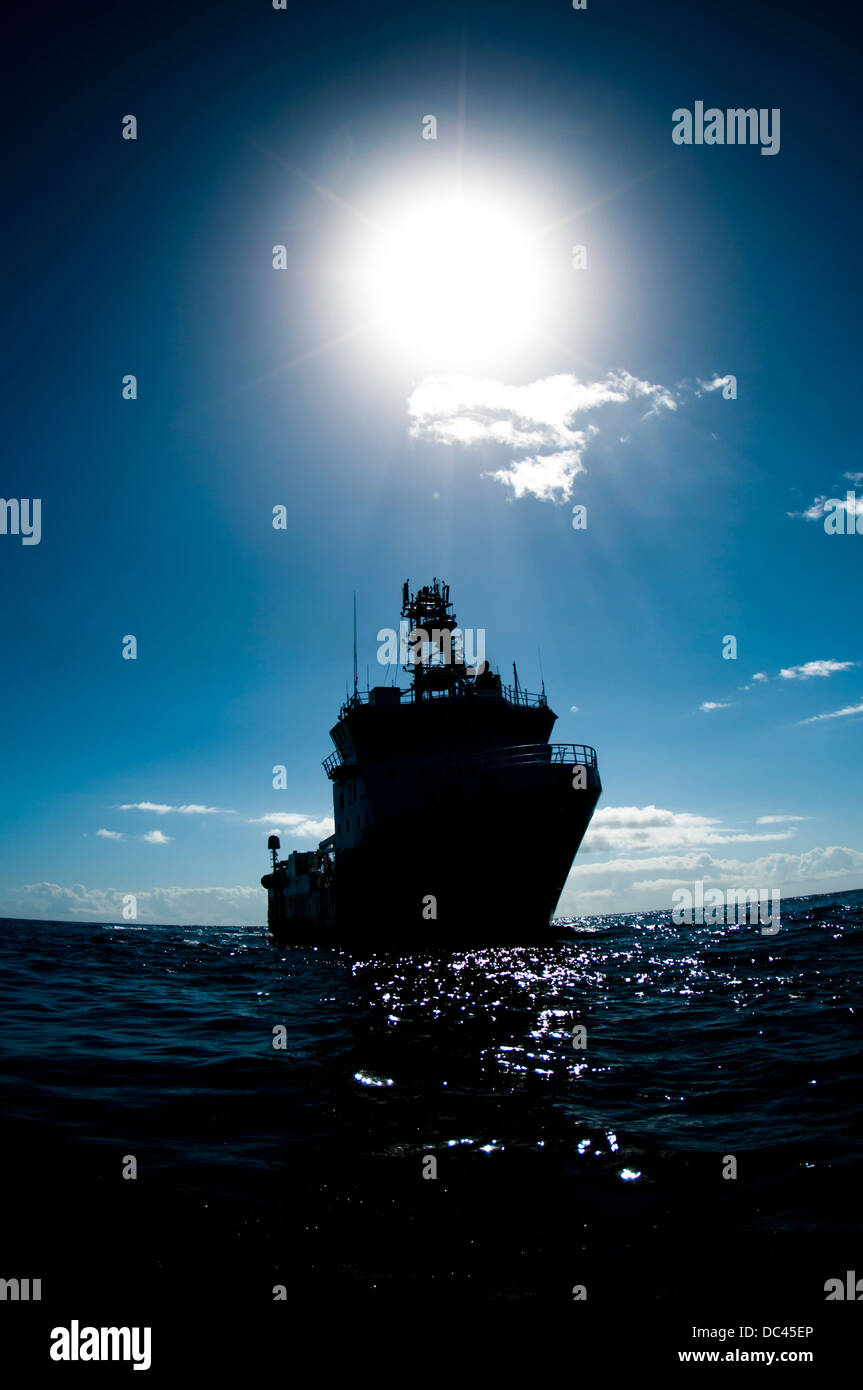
{"points": [[195, 810], [548, 477], [110, 834], [573, 709], [851, 505], [836, 714], [815, 668], [854, 478], [777, 820], [760, 676], [713, 385], [301, 825], [709, 705], [155, 837], [157, 807]]}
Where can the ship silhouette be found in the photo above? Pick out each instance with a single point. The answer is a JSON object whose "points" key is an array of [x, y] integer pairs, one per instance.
{"points": [[456, 821]]}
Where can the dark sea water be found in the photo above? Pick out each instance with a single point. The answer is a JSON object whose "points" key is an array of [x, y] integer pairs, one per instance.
{"points": [[303, 1166]]}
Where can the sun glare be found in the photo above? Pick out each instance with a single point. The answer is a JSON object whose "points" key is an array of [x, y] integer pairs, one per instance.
{"points": [[454, 281]]}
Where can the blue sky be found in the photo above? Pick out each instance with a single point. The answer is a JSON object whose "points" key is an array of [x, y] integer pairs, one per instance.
{"points": [[260, 387]]}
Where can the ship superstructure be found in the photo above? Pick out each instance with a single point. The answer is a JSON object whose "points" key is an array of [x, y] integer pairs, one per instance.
{"points": [[455, 818]]}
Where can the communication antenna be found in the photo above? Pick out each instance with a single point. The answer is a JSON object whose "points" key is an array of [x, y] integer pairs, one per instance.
{"points": [[355, 643], [541, 676]]}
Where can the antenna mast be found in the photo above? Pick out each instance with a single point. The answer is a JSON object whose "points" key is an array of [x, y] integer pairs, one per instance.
{"points": [[355, 644]]}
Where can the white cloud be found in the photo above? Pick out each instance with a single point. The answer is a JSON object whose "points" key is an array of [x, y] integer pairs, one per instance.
{"points": [[777, 820], [548, 477], [155, 837], [653, 885], [573, 709], [760, 676], [815, 668], [628, 881], [301, 825], [110, 834], [819, 507], [856, 478], [202, 906], [709, 705], [713, 385], [812, 863], [540, 417], [652, 827], [161, 808], [836, 714]]}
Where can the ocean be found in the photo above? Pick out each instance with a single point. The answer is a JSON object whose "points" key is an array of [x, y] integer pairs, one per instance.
{"points": [[420, 1133]]}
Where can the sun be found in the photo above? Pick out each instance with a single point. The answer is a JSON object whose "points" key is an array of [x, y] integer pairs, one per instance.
{"points": [[453, 280]]}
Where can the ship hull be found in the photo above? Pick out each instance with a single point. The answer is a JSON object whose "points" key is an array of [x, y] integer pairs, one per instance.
{"points": [[456, 868]]}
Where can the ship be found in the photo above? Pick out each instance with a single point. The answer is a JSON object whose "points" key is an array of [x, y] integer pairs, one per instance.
{"points": [[456, 820]]}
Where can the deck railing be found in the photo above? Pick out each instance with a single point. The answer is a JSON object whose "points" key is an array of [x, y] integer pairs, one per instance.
{"points": [[519, 755], [524, 699]]}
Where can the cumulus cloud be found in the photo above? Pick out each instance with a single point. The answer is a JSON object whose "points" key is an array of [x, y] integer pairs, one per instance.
{"points": [[110, 834], [815, 668], [629, 880], [835, 714], [652, 827], [813, 863], [760, 676], [300, 824], [548, 477], [543, 418], [709, 705], [712, 385], [155, 837], [217, 906]]}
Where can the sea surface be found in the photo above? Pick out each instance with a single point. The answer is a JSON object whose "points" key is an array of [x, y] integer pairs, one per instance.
{"points": [[302, 1166]]}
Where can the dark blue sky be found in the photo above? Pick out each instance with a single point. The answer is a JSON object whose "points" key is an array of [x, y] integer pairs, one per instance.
{"points": [[154, 257]]}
